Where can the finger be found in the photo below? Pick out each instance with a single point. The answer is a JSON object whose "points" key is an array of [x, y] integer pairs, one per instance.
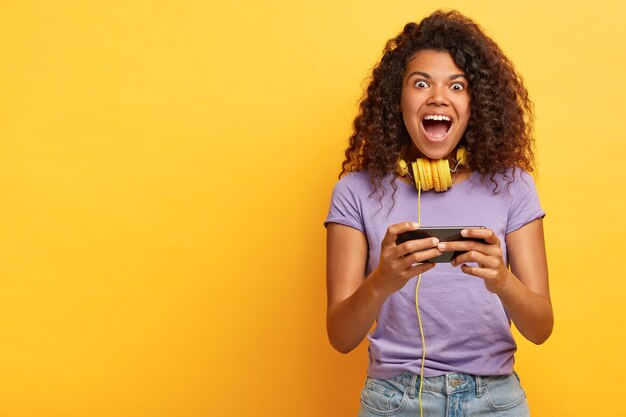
{"points": [[481, 259], [395, 229], [421, 256], [417, 269], [415, 246], [484, 273], [486, 234], [471, 245], [464, 246]]}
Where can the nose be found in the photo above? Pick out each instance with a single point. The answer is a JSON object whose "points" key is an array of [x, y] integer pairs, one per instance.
{"points": [[438, 95]]}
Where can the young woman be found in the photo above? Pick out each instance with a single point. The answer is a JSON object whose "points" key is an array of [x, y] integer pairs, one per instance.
{"points": [[443, 95]]}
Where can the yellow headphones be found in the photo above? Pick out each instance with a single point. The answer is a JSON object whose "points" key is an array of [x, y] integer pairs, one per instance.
{"points": [[429, 174]]}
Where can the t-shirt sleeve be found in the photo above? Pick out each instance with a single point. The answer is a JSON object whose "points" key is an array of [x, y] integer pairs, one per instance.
{"points": [[525, 206], [345, 207]]}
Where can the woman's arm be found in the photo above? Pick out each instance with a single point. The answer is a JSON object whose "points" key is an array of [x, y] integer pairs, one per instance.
{"points": [[527, 300], [523, 289], [354, 302]]}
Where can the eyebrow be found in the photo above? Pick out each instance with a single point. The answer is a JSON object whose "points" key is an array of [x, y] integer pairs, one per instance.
{"points": [[427, 75]]}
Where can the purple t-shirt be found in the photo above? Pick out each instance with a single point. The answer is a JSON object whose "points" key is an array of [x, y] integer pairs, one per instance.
{"points": [[466, 328]]}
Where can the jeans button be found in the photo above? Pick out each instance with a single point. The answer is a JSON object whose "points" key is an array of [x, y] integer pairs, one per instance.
{"points": [[456, 382]]}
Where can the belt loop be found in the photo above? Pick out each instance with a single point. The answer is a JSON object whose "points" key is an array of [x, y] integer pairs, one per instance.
{"points": [[479, 386], [413, 386]]}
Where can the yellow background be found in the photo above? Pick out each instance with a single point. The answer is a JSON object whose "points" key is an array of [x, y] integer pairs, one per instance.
{"points": [[165, 167]]}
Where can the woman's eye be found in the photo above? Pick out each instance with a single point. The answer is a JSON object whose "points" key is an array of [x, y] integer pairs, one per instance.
{"points": [[421, 84], [457, 87]]}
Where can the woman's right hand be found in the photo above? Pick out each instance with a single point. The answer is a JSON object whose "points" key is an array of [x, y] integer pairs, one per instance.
{"points": [[395, 269], [354, 302]]}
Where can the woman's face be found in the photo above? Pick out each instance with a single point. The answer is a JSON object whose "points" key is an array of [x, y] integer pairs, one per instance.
{"points": [[435, 104]]}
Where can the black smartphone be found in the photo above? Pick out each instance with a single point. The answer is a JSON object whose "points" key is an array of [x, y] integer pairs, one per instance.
{"points": [[444, 234]]}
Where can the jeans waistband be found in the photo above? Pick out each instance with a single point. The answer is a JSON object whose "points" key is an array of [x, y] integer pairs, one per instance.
{"points": [[445, 384]]}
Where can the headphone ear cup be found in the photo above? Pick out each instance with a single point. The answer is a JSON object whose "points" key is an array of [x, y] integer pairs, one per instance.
{"points": [[418, 172], [445, 177], [434, 169], [419, 182], [427, 174]]}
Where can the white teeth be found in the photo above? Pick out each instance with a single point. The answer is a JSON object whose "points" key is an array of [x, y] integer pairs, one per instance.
{"points": [[437, 117]]}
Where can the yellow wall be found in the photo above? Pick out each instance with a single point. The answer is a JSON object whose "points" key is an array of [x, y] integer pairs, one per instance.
{"points": [[165, 168]]}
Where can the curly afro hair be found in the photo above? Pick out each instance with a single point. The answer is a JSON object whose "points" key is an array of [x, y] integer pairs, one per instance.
{"points": [[499, 131]]}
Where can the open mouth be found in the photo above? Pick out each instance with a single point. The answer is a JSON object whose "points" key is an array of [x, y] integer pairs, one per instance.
{"points": [[436, 126]]}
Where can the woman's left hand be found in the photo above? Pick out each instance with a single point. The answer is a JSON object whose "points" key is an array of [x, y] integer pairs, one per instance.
{"points": [[488, 255]]}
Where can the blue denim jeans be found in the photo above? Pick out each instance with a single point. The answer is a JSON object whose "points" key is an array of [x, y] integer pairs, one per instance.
{"points": [[450, 395]]}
